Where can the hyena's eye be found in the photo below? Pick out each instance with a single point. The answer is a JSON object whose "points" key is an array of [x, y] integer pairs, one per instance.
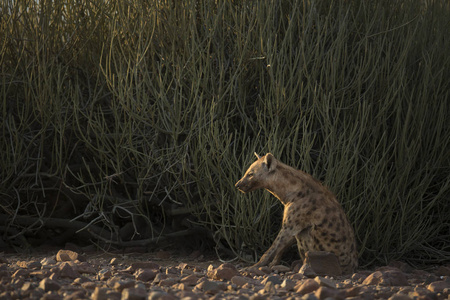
{"points": [[250, 174]]}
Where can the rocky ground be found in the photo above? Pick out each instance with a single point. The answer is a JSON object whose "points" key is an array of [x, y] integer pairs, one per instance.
{"points": [[68, 274]]}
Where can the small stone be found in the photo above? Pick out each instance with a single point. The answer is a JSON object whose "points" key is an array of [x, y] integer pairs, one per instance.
{"points": [[104, 274], [173, 270], [145, 274], [269, 287], [438, 286], [274, 279], [296, 265], [48, 262], [76, 295], [144, 265], [159, 277], [384, 292], [325, 282], [66, 271], [51, 296], [323, 293], [307, 271], [360, 276], [297, 277], [168, 281], [189, 295], [27, 286], [399, 296], [181, 287], [183, 265], [187, 271], [49, 285], [254, 271], [386, 278], [120, 284], [352, 291], [68, 255], [323, 263], [83, 267], [89, 285], [134, 294], [160, 295], [189, 280], [223, 272], [307, 286], [20, 273], [239, 281], [288, 285], [100, 294], [209, 287], [113, 295], [265, 269], [280, 269], [40, 274], [29, 264], [309, 297]]}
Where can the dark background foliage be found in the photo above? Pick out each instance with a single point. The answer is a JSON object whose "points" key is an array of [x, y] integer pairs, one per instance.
{"points": [[127, 123]]}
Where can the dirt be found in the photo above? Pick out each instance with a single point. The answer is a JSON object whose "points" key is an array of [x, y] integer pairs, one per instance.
{"points": [[69, 274]]}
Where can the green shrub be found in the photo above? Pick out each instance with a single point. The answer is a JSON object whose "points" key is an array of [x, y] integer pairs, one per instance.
{"points": [[129, 122]]}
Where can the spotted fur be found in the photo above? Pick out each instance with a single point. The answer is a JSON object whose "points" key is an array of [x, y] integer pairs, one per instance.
{"points": [[312, 216]]}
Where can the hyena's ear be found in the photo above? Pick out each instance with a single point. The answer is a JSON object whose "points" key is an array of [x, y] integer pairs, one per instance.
{"points": [[257, 155], [270, 162]]}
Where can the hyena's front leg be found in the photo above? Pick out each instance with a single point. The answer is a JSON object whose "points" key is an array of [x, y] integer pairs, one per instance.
{"points": [[272, 257]]}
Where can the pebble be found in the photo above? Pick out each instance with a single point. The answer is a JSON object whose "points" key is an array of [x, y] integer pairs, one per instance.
{"points": [[280, 269], [439, 286], [307, 286], [145, 274], [190, 279], [325, 282], [138, 293], [69, 255], [223, 272], [48, 284], [272, 278], [29, 264], [48, 262], [66, 271], [102, 278], [210, 287], [388, 277], [144, 265]]}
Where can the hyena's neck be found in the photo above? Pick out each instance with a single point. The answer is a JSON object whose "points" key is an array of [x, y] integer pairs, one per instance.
{"points": [[289, 184]]}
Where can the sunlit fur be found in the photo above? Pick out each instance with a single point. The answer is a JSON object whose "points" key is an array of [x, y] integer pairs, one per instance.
{"points": [[312, 216]]}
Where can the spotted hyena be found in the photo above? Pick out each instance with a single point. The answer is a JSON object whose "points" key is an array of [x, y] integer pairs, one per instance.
{"points": [[312, 216]]}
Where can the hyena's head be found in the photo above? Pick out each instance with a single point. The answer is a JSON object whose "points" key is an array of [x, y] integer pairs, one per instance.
{"points": [[258, 174]]}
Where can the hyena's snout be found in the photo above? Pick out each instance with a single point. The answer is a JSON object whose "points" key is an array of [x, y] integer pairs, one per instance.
{"points": [[243, 185], [240, 185]]}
